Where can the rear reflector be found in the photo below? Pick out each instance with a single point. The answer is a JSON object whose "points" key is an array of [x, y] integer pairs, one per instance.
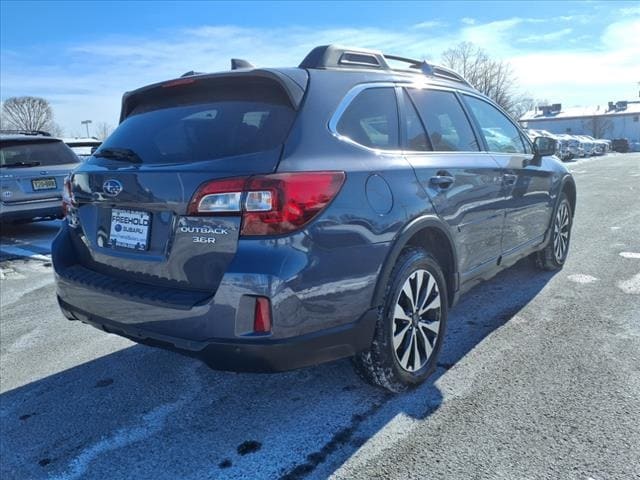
{"points": [[270, 204], [262, 317]]}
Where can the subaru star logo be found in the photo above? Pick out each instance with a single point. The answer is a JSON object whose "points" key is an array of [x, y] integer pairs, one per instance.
{"points": [[112, 187]]}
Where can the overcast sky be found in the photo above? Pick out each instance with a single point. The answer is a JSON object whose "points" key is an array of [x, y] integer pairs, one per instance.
{"points": [[83, 55]]}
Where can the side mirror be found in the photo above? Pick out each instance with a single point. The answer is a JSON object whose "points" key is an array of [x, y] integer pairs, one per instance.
{"points": [[544, 146]]}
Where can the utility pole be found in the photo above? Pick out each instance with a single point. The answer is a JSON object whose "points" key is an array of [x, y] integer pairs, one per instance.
{"points": [[86, 124]]}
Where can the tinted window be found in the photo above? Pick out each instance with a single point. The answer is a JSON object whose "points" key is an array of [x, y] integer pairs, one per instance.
{"points": [[229, 122], [35, 154], [447, 125], [500, 134], [416, 135], [371, 119]]}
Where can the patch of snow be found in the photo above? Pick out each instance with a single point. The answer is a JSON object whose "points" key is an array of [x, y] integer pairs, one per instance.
{"points": [[630, 254], [631, 286], [581, 278]]}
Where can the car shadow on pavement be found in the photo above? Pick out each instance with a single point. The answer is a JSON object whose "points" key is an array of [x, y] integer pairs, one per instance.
{"points": [[146, 413], [22, 230]]}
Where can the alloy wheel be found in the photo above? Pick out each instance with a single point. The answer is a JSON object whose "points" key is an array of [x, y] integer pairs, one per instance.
{"points": [[416, 320], [561, 232]]}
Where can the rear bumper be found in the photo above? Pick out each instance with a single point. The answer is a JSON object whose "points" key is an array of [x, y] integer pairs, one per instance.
{"points": [[311, 322], [258, 354], [11, 212]]}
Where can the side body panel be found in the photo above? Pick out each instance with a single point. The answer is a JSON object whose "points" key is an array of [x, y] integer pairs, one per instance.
{"points": [[471, 206], [529, 200]]}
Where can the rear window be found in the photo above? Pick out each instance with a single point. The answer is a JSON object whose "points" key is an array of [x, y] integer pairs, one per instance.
{"points": [[186, 124], [21, 154]]}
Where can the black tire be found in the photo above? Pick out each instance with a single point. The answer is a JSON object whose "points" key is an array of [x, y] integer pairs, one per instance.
{"points": [[551, 258], [380, 364]]}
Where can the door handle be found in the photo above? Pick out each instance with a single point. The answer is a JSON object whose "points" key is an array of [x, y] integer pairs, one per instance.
{"points": [[442, 180], [509, 179]]}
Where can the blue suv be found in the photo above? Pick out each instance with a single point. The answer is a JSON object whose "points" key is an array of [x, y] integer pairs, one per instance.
{"points": [[271, 219]]}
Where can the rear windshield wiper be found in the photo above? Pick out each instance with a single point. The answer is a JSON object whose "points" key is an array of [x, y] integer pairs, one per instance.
{"points": [[21, 164], [125, 154]]}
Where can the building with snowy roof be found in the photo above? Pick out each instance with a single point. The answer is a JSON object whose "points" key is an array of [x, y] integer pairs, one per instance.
{"points": [[616, 120]]}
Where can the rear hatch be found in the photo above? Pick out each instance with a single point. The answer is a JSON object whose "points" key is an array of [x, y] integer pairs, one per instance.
{"points": [[132, 197], [33, 169]]}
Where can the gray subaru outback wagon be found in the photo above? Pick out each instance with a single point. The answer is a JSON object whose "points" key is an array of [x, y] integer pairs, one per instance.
{"points": [[271, 219], [33, 166]]}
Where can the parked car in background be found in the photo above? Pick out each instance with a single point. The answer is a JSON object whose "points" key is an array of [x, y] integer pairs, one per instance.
{"points": [[602, 147], [597, 146], [33, 166], [570, 145], [620, 145], [270, 219], [587, 144], [82, 147], [564, 148]]}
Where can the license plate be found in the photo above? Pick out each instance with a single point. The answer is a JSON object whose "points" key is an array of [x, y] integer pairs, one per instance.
{"points": [[130, 229], [43, 184]]}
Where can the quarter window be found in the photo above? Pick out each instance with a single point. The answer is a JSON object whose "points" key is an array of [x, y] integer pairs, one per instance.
{"points": [[446, 123], [371, 119], [498, 131]]}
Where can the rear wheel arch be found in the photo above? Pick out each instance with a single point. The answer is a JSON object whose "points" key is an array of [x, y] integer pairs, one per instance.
{"points": [[431, 234]]}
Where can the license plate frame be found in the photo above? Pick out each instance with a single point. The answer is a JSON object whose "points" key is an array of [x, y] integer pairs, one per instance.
{"points": [[43, 184], [130, 229]]}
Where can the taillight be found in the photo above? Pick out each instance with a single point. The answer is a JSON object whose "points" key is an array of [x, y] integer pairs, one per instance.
{"points": [[218, 196], [270, 204], [294, 199], [67, 196]]}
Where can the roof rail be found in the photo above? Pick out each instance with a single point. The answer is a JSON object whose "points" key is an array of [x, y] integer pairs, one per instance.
{"points": [[25, 132], [333, 56]]}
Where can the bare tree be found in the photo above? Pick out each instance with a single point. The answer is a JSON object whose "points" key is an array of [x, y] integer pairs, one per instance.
{"points": [[494, 78], [103, 130], [55, 129], [597, 126], [26, 113]]}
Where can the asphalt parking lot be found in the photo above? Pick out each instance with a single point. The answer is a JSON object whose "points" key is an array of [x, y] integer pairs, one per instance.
{"points": [[539, 379]]}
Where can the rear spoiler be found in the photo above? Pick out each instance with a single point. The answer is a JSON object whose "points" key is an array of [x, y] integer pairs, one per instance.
{"points": [[292, 80]]}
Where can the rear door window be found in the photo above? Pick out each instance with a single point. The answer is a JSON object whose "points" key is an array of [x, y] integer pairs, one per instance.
{"points": [[213, 123], [499, 132], [21, 154], [371, 119], [447, 125]]}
